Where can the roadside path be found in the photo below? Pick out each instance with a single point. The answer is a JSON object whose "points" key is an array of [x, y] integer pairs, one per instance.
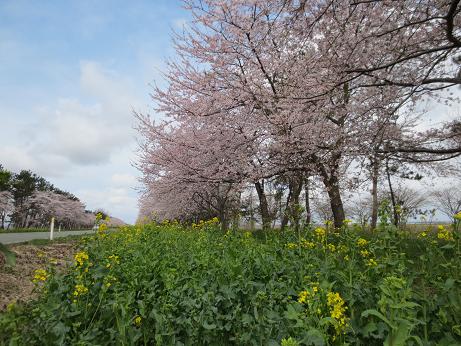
{"points": [[11, 238]]}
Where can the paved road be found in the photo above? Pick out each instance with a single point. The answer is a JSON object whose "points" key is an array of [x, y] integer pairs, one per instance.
{"points": [[10, 238]]}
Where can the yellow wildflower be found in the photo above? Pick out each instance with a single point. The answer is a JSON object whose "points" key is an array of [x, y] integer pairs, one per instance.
{"points": [[371, 263], [337, 309], [320, 232], [80, 258], [422, 235], [331, 247], [307, 244], [457, 216], [365, 253], [40, 275], [114, 258], [80, 290], [362, 242], [303, 297], [444, 233], [291, 245], [137, 321]]}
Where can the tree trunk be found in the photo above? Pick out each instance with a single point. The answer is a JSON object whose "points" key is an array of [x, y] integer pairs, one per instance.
{"points": [[374, 193], [391, 191], [331, 182], [291, 213], [307, 204], [295, 206], [336, 204], [263, 206], [286, 212]]}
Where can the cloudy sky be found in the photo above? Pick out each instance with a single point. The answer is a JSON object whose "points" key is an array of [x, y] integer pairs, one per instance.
{"points": [[71, 74]]}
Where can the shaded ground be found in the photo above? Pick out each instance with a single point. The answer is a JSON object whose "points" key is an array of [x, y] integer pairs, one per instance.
{"points": [[16, 282]]}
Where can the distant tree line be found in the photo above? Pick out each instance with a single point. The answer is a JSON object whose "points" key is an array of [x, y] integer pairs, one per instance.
{"points": [[29, 200]]}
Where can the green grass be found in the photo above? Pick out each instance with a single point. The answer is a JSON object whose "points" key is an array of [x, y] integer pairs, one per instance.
{"points": [[60, 240], [29, 230], [171, 285]]}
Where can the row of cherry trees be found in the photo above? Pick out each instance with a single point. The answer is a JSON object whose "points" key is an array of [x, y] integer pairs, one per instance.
{"points": [[28, 200], [297, 94]]}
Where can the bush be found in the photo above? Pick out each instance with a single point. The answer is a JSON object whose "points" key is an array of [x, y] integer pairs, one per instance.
{"points": [[173, 285]]}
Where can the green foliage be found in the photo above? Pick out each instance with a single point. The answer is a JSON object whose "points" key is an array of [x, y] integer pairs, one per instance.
{"points": [[171, 285], [10, 257]]}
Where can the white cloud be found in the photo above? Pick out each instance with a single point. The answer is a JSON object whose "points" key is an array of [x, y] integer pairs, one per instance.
{"points": [[119, 202], [124, 180], [81, 141], [85, 131], [16, 158]]}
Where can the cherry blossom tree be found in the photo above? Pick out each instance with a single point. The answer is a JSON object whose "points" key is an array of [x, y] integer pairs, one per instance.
{"points": [[275, 89], [68, 212], [448, 200], [6, 206]]}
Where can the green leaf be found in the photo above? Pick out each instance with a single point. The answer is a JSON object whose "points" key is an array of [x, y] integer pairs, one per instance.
{"points": [[369, 328], [314, 337], [376, 313], [208, 326]]}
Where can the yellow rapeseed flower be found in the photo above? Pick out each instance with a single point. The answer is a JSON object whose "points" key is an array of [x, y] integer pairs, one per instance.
{"points": [[80, 258], [337, 309], [114, 258], [362, 242], [307, 244], [40, 275], [365, 253], [457, 216], [371, 263], [80, 290], [320, 232], [303, 297], [137, 321], [444, 234]]}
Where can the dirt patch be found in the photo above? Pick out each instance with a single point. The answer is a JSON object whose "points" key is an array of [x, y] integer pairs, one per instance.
{"points": [[16, 282]]}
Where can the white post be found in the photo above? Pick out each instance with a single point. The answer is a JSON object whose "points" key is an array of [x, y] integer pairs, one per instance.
{"points": [[52, 228]]}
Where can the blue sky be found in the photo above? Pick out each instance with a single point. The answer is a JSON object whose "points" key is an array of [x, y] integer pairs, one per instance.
{"points": [[71, 74]]}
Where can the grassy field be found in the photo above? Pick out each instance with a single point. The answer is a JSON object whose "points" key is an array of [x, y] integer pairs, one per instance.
{"points": [[173, 285], [27, 230]]}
